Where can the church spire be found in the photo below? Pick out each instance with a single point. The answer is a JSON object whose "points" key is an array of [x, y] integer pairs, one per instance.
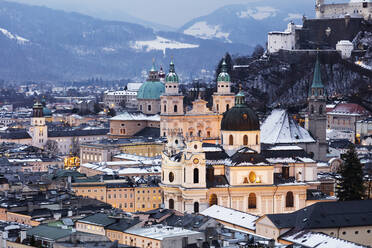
{"points": [[317, 80], [240, 98], [224, 75], [317, 87], [172, 76]]}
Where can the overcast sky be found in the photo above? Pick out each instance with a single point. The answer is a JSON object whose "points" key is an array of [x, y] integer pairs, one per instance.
{"points": [[158, 11]]}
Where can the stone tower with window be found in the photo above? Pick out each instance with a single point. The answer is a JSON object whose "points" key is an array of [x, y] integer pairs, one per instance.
{"points": [[38, 129], [317, 115], [223, 99], [171, 101]]}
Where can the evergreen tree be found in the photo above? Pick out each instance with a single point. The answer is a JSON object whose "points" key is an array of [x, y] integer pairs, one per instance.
{"points": [[350, 185]]}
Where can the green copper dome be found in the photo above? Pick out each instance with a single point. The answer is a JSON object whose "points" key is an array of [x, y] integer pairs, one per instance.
{"points": [[152, 89], [240, 117], [224, 76], [172, 76]]}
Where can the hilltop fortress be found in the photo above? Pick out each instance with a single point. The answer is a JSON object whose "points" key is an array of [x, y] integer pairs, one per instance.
{"points": [[334, 28], [355, 8]]}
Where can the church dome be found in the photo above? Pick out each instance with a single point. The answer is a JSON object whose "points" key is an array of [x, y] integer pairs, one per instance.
{"points": [[223, 76], [240, 117], [172, 76], [152, 89]]}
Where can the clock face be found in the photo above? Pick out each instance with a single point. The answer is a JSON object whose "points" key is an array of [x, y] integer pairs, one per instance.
{"points": [[196, 161]]}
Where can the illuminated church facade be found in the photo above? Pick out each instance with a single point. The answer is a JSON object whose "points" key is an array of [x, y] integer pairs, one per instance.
{"points": [[236, 172]]}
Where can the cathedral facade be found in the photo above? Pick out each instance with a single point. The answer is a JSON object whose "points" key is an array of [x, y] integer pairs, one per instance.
{"points": [[200, 121], [238, 172]]}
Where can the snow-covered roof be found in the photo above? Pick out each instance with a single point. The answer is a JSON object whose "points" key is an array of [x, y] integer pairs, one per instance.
{"points": [[132, 157], [122, 93], [134, 86], [319, 240], [232, 216], [126, 170], [135, 117], [161, 232], [280, 128]]}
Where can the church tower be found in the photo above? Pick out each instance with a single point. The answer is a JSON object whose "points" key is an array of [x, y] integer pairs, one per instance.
{"points": [[223, 99], [38, 129], [171, 103], [317, 116]]}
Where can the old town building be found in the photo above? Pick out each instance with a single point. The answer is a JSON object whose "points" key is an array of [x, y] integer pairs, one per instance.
{"points": [[129, 196]]}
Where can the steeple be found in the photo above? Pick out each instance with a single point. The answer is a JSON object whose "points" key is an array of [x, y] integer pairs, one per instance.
{"points": [[153, 66], [172, 76], [223, 76], [317, 80], [317, 87], [153, 73], [240, 99]]}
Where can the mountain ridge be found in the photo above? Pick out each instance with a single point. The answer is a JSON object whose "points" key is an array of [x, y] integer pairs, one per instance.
{"points": [[71, 46]]}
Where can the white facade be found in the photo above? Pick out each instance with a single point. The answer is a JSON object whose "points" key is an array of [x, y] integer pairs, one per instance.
{"points": [[345, 48], [283, 40], [114, 99], [355, 8]]}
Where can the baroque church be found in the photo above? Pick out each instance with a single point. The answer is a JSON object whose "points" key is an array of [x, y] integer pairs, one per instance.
{"points": [[234, 170]]}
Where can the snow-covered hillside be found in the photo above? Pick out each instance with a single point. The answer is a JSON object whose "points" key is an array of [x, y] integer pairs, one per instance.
{"points": [[161, 44], [249, 23], [204, 31]]}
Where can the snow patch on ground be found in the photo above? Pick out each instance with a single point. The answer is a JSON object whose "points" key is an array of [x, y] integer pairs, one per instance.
{"points": [[258, 13], [204, 31], [293, 16], [161, 44], [9, 35]]}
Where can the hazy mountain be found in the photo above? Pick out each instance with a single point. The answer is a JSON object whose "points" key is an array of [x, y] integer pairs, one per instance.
{"points": [[38, 43], [249, 23]]}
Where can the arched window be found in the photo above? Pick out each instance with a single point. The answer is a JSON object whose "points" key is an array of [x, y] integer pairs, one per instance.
{"points": [[171, 204], [141, 107], [256, 139], [227, 107], [149, 107], [196, 175], [165, 108], [245, 140], [321, 109], [175, 108], [231, 140], [171, 177], [213, 200], [312, 109], [196, 207], [289, 200], [252, 201]]}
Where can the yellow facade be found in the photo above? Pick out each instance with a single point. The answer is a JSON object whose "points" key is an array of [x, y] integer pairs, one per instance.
{"points": [[127, 198]]}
